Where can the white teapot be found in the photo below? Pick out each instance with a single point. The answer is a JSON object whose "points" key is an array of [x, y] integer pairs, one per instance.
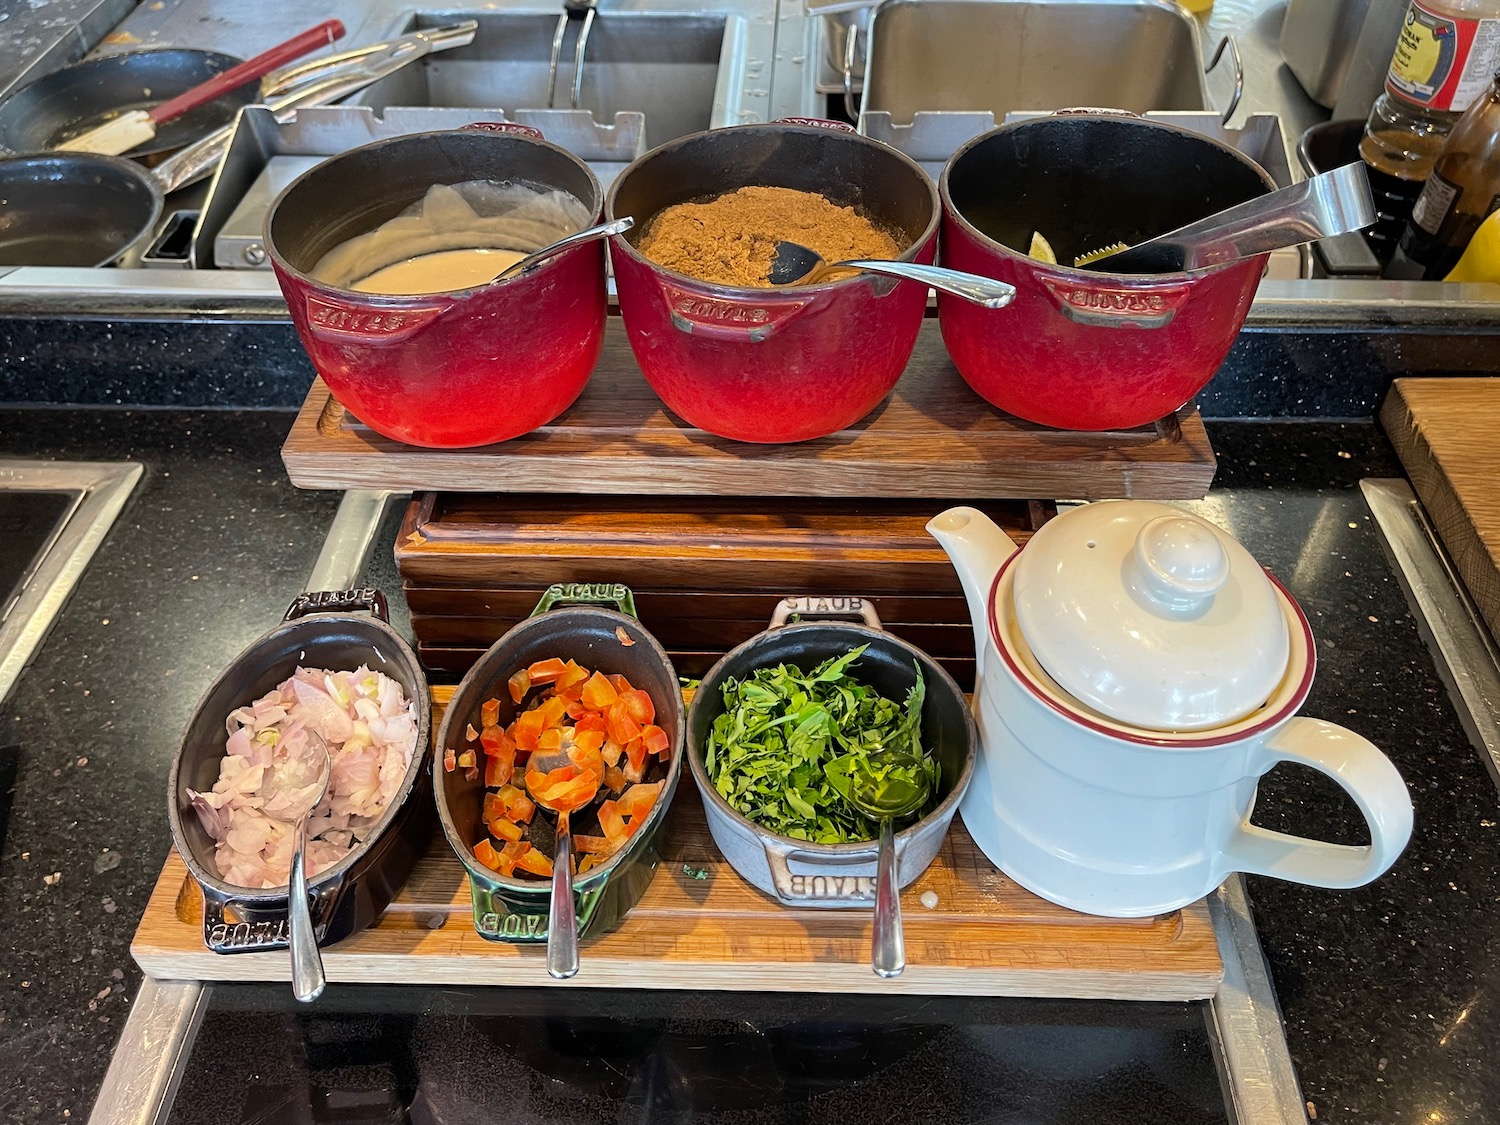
{"points": [[1137, 672]]}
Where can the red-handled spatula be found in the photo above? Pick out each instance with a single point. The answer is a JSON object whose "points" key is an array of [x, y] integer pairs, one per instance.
{"points": [[137, 126]]}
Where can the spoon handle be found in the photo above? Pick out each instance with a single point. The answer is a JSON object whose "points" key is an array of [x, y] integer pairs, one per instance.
{"points": [[887, 948], [985, 291], [307, 963], [562, 922]]}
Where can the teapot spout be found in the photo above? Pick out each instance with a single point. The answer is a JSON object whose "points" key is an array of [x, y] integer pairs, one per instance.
{"points": [[977, 547]]}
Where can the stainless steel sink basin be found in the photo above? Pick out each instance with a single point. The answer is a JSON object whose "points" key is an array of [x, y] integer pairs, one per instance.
{"points": [[674, 67], [1002, 56]]}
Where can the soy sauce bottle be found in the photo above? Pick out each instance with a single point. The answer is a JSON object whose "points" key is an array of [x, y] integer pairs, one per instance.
{"points": [[1459, 195]]}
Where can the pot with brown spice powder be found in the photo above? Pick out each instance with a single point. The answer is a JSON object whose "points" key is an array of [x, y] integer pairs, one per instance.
{"points": [[723, 349]]}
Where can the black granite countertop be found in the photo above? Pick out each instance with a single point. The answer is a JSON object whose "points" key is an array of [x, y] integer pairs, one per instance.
{"points": [[1389, 991]]}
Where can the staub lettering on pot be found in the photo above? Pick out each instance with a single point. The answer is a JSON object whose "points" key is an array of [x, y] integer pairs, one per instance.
{"points": [[1124, 301], [833, 886], [514, 926], [248, 935], [356, 320], [714, 310]]}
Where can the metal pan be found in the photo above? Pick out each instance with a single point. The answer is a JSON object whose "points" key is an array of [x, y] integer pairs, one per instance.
{"points": [[74, 209], [77, 98]]}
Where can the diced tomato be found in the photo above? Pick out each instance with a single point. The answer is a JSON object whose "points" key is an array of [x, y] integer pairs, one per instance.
{"points": [[635, 760], [553, 711], [614, 778], [485, 853], [639, 704], [655, 740], [638, 799], [623, 637], [535, 863], [450, 759], [498, 768], [546, 671], [611, 820], [621, 727], [611, 752], [527, 728], [504, 829], [519, 684], [599, 693], [593, 845], [489, 714]]}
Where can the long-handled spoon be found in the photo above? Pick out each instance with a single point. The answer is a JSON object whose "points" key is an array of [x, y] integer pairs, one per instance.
{"points": [[795, 264], [561, 796], [888, 785], [603, 230], [308, 979]]}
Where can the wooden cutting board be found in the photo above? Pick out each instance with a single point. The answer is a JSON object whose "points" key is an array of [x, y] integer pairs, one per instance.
{"points": [[1447, 434], [700, 925], [932, 436]]}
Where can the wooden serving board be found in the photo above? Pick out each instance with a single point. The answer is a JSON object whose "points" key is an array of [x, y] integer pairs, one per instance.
{"points": [[1447, 434], [933, 437], [700, 925]]}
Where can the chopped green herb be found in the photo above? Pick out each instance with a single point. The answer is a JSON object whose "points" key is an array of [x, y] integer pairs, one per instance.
{"points": [[783, 750]]}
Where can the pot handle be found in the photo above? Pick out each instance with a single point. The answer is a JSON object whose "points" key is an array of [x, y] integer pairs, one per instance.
{"points": [[339, 323], [1367, 775], [833, 890], [587, 593], [368, 599], [224, 936], [1228, 42], [718, 318], [818, 123], [819, 607], [513, 127]]}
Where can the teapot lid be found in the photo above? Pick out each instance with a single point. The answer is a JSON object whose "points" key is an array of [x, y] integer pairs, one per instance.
{"points": [[1150, 616]]}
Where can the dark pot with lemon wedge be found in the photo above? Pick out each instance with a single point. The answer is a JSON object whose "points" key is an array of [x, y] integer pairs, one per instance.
{"points": [[578, 679], [780, 729]]}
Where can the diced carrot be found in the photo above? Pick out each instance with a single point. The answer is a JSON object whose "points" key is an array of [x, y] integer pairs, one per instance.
{"points": [[623, 637], [553, 711], [546, 671], [621, 683], [516, 804], [535, 863], [504, 829], [620, 726], [498, 768], [519, 684], [527, 728], [611, 752], [485, 853], [638, 799], [589, 720], [568, 795], [551, 740], [589, 862], [470, 733], [570, 684], [496, 741], [599, 693], [594, 845], [655, 740], [576, 709], [494, 807], [635, 760], [611, 821], [489, 714], [589, 741], [614, 778], [466, 759], [639, 704], [450, 759]]}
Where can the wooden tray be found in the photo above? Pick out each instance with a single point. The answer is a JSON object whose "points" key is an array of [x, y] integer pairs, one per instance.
{"points": [[986, 936], [932, 438], [1447, 434]]}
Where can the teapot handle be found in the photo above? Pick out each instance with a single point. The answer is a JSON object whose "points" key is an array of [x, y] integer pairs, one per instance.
{"points": [[1365, 774]]}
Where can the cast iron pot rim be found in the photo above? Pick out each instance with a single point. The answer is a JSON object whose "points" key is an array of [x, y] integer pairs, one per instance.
{"points": [[120, 164], [405, 300], [541, 889], [756, 292], [932, 672], [270, 896], [1074, 273]]}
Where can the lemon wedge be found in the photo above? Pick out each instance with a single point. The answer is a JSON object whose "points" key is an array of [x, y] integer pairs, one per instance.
{"points": [[1041, 249], [1481, 260]]}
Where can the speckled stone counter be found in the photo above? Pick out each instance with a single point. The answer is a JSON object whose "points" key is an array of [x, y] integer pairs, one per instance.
{"points": [[1389, 991]]}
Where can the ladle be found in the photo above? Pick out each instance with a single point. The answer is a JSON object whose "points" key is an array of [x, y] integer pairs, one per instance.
{"points": [[888, 785], [308, 979], [562, 919], [795, 264], [603, 230]]}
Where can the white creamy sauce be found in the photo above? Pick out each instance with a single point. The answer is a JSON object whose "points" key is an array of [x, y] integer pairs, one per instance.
{"points": [[439, 272]]}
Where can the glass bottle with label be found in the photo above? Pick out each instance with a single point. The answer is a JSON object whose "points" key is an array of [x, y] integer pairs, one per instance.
{"points": [[1462, 191], [1445, 54]]}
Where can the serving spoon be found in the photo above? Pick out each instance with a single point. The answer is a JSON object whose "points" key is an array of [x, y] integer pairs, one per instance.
{"points": [[795, 264], [308, 979], [552, 249], [562, 917], [888, 785]]}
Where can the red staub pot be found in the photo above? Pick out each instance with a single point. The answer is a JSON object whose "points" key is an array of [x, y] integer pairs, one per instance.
{"points": [[773, 365], [1080, 349], [444, 370]]}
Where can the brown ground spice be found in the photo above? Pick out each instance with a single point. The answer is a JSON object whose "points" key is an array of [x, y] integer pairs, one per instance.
{"points": [[731, 240]]}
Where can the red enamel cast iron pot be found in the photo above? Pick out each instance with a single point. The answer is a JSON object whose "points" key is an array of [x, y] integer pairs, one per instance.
{"points": [[1081, 349], [444, 370], [773, 365]]}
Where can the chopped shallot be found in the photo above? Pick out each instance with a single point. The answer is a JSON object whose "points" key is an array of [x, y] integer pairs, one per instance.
{"points": [[270, 773]]}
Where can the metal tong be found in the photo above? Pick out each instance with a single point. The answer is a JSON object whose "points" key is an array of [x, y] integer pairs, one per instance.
{"points": [[318, 82], [1335, 202], [584, 10]]}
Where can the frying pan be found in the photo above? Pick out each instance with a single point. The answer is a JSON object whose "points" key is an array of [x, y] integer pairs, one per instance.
{"points": [[73, 208], [76, 98]]}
